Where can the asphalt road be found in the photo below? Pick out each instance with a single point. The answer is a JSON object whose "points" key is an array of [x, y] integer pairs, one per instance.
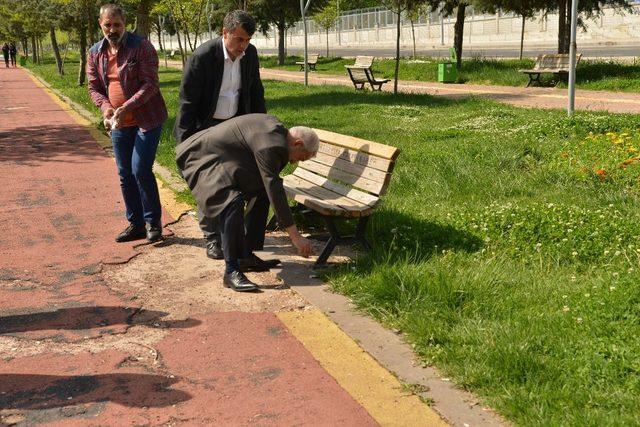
{"points": [[596, 51]]}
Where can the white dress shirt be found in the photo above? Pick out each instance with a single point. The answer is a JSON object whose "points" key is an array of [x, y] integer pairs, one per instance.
{"points": [[229, 97]]}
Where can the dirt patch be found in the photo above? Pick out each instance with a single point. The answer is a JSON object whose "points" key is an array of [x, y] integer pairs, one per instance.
{"points": [[176, 276]]}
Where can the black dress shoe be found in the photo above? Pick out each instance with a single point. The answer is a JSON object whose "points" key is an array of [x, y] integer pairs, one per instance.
{"points": [[132, 232], [253, 263], [239, 282], [214, 249], [154, 233]]}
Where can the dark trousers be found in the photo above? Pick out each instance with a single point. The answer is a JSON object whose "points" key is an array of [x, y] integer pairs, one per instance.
{"points": [[6, 60], [209, 225], [242, 232], [135, 152], [13, 59]]}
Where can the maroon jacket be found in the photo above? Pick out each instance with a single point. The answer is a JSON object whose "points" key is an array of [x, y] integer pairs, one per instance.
{"points": [[138, 72]]}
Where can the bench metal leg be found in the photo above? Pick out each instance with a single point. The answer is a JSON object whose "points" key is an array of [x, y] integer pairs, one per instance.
{"points": [[336, 239], [360, 229], [536, 79]]}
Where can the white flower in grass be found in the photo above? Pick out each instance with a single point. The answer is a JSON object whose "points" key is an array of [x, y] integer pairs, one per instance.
{"points": [[612, 288], [574, 253], [615, 274], [578, 319], [565, 308]]}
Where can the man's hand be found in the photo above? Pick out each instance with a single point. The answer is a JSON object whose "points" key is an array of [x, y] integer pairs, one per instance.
{"points": [[118, 115], [302, 244], [108, 113]]}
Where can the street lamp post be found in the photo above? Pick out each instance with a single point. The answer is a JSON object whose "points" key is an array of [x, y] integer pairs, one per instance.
{"points": [[303, 10], [572, 58]]}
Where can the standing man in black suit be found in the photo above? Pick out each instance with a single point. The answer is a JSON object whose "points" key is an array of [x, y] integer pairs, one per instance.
{"points": [[221, 80]]}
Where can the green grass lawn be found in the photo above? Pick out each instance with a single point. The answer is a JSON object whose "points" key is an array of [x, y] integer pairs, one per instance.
{"points": [[594, 75], [507, 249]]}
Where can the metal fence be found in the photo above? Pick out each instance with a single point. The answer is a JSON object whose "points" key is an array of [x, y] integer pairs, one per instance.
{"points": [[380, 17]]}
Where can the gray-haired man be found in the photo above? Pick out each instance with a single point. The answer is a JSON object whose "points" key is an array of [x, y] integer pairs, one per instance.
{"points": [[221, 80], [237, 162]]}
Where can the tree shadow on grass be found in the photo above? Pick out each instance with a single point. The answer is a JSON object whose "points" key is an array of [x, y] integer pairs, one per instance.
{"points": [[29, 391], [344, 97]]}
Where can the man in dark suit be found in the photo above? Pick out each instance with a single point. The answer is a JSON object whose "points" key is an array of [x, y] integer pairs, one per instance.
{"points": [[237, 162], [221, 80]]}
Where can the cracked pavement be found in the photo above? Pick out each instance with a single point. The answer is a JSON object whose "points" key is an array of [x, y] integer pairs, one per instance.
{"points": [[93, 332]]}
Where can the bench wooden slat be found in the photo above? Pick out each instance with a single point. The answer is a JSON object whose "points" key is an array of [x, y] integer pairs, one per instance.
{"points": [[357, 157], [365, 184], [351, 193], [317, 203], [363, 61], [348, 207], [353, 168], [357, 144]]}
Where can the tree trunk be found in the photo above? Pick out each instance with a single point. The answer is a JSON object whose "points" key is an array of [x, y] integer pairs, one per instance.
{"points": [[522, 36], [562, 25], [397, 70], [142, 18], [567, 26], [25, 46], [281, 37], [458, 29], [413, 36], [34, 50], [56, 50], [92, 29], [327, 42], [82, 73], [182, 52], [160, 45]]}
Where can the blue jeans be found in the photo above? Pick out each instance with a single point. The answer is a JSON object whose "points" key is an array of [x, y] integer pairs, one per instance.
{"points": [[135, 152]]}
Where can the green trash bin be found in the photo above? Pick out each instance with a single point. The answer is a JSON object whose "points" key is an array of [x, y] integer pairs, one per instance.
{"points": [[22, 60], [447, 72]]}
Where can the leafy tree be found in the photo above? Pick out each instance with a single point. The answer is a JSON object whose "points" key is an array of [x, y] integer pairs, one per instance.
{"points": [[397, 7], [326, 18], [526, 9], [281, 13]]}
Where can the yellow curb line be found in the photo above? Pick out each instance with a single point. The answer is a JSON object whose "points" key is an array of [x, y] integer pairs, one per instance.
{"points": [[167, 196], [371, 385]]}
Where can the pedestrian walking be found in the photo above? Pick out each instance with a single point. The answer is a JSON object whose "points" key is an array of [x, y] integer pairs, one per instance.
{"points": [[220, 81], [5, 53], [13, 51], [123, 82]]}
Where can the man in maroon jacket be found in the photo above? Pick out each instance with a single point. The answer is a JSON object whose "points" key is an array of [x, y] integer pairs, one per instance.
{"points": [[123, 82]]}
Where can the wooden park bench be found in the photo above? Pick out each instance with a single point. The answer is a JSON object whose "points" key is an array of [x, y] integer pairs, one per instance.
{"points": [[346, 179], [312, 60], [361, 73], [555, 63]]}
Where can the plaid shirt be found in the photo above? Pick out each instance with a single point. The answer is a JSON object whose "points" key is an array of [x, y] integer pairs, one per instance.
{"points": [[138, 73]]}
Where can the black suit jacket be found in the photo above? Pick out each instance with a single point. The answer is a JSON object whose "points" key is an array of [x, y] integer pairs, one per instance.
{"points": [[241, 156], [201, 83]]}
